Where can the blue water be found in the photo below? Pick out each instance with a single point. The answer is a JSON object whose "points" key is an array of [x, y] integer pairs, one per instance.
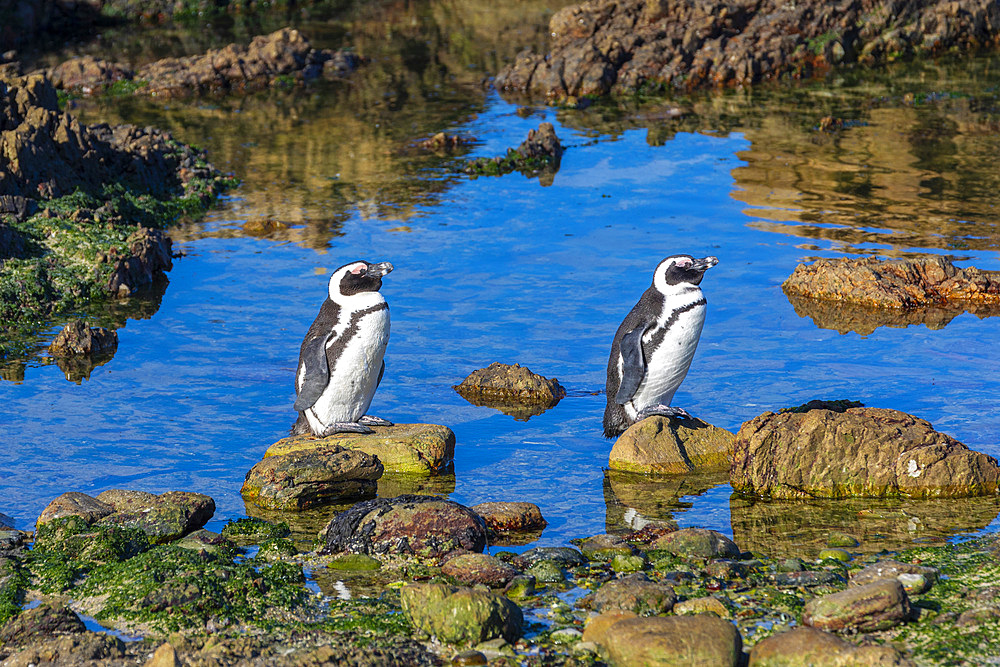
{"points": [[496, 269]]}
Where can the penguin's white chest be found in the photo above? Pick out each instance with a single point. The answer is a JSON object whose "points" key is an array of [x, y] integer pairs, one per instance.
{"points": [[355, 357], [668, 348]]}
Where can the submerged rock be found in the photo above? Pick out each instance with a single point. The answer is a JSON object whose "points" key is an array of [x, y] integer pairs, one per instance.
{"points": [[540, 152], [859, 452], [302, 479], [421, 525], [284, 56], [461, 615], [698, 543], [898, 284], [512, 389], [77, 338], [809, 646], [604, 46], [915, 579], [475, 569], [402, 448], [506, 520], [636, 594], [699, 640], [876, 606], [668, 445]]}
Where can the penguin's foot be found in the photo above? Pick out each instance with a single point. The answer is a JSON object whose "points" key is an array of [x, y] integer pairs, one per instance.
{"points": [[372, 420], [346, 427], [663, 411]]}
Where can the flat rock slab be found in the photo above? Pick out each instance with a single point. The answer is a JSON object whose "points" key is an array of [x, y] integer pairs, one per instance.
{"points": [[697, 543], [512, 389], [703, 640], [867, 452], [461, 615], [876, 606], [809, 646], [898, 283], [636, 594], [422, 525], [916, 579], [404, 448], [670, 445], [317, 476], [475, 569], [511, 517], [164, 518], [564, 556]]}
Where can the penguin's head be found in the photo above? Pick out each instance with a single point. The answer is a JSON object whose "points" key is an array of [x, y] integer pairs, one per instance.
{"points": [[680, 270], [357, 277]]}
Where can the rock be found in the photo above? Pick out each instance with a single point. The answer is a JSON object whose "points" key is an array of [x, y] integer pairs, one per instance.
{"points": [[77, 338], [539, 154], [520, 587], [916, 579], [598, 627], [565, 556], [898, 284], [475, 569], [164, 656], [354, 562], [703, 640], [634, 593], [303, 479], [422, 525], [45, 620], [263, 226], [514, 390], [510, 517], [282, 57], [86, 648], [666, 445], [835, 554], [460, 615], [978, 616], [604, 547], [867, 452], [470, 658], [704, 605], [809, 646], [402, 448], [698, 543], [808, 578], [610, 46], [876, 606], [164, 518], [546, 572], [445, 143], [74, 503]]}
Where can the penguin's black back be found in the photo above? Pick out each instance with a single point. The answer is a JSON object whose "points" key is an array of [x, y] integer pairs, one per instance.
{"points": [[643, 314]]}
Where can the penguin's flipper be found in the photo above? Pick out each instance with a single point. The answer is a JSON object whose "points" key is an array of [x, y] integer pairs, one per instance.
{"points": [[380, 374], [633, 365], [314, 370]]}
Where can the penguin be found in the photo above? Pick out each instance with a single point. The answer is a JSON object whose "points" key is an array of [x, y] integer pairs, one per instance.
{"points": [[653, 347], [341, 359]]}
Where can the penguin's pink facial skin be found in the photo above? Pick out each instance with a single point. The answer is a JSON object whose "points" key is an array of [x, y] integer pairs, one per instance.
{"points": [[358, 268], [357, 277], [676, 271]]}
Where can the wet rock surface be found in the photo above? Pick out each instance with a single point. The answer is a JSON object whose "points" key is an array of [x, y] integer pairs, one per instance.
{"points": [[809, 646], [699, 543], [668, 445], [77, 338], [915, 579], [876, 606], [303, 479], [483, 569], [402, 448], [510, 518], [461, 615], [422, 525], [859, 452], [539, 153], [636, 594], [900, 284], [512, 389], [603, 46], [689, 640], [282, 57]]}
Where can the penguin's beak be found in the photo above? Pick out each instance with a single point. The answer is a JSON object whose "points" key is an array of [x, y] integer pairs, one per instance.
{"points": [[705, 263], [378, 270]]}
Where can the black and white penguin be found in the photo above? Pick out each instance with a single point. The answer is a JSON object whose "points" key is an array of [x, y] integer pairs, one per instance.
{"points": [[653, 347], [341, 360]]}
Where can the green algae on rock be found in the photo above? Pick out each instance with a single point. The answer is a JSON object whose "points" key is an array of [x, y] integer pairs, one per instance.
{"points": [[80, 205], [539, 153], [461, 615]]}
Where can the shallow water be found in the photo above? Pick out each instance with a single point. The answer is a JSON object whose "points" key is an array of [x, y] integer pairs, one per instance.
{"points": [[508, 269]]}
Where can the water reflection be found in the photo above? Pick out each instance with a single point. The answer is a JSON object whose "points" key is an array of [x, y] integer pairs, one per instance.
{"points": [[845, 317], [635, 500], [797, 528]]}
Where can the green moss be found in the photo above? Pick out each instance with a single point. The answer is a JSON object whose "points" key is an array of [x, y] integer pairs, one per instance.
{"points": [[276, 548], [512, 161], [366, 617], [125, 87], [818, 44], [15, 582], [251, 530]]}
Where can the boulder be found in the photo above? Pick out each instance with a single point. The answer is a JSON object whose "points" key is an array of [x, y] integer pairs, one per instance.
{"points": [[74, 503], [809, 646], [702, 640], [512, 389], [401, 448], [703, 605], [916, 579], [460, 615], [299, 480], [634, 593], [867, 452], [669, 445], [698, 543], [422, 525], [77, 338], [565, 556], [510, 517], [897, 284], [876, 606], [475, 569], [164, 518], [44, 620], [604, 547]]}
